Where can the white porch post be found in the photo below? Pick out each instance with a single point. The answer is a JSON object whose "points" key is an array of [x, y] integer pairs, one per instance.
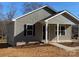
{"points": [[57, 32], [46, 36]]}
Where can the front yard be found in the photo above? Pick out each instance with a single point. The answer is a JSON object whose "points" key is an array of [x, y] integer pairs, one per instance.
{"points": [[36, 50]]}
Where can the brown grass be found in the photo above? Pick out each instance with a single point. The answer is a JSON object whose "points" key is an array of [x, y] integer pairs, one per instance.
{"points": [[36, 50]]}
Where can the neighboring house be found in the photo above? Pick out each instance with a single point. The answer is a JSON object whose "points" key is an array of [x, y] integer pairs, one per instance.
{"points": [[3, 31], [42, 24]]}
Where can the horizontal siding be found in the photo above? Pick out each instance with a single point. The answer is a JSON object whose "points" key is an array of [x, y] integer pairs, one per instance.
{"points": [[60, 20], [37, 37], [30, 19]]}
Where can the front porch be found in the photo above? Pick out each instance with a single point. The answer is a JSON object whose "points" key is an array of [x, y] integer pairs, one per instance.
{"points": [[60, 33], [60, 29]]}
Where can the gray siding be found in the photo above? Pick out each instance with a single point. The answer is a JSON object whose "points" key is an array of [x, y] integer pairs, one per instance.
{"points": [[60, 20], [38, 35], [30, 19]]}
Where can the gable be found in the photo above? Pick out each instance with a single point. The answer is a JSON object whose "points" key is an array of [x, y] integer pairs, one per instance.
{"points": [[60, 19], [34, 17], [64, 17], [71, 17]]}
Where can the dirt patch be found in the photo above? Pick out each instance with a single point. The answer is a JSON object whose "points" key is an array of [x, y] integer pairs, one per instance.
{"points": [[35, 51]]}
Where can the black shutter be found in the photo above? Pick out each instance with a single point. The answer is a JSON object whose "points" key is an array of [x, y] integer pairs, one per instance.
{"points": [[34, 30], [24, 29]]}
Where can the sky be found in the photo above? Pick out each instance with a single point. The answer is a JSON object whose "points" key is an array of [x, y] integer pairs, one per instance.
{"points": [[72, 7]]}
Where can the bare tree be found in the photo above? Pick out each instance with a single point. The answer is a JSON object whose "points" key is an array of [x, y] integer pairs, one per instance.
{"points": [[9, 16], [5, 17], [27, 7], [2, 24], [11, 13]]}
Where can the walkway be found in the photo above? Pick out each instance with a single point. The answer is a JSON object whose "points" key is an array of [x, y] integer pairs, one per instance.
{"points": [[65, 47]]}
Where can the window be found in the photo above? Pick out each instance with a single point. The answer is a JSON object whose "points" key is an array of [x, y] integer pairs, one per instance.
{"points": [[29, 27], [74, 31], [61, 30], [30, 30]]}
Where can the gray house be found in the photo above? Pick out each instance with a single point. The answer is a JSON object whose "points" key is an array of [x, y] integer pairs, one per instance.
{"points": [[43, 25]]}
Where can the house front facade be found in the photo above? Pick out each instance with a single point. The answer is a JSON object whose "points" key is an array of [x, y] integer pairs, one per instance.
{"points": [[43, 25]]}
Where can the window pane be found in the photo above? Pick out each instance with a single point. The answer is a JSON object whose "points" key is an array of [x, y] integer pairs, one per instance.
{"points": [[63, 32], [62, 28], [29, 32], [29, 27]]}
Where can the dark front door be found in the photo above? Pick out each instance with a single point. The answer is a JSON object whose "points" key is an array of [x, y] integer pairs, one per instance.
{"points": [[44, 32]]}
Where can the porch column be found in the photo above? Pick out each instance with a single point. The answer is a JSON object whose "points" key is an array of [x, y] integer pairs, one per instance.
{"points": [[57, 32], [46, 36]]}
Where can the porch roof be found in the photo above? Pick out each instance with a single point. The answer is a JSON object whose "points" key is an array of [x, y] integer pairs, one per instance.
{"points": [[64, 17]]}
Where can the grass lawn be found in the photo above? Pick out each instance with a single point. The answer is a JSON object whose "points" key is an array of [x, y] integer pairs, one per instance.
{"points": [[36, 50]]}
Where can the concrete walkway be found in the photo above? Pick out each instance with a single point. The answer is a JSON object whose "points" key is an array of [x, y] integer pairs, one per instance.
{"points": [[64, 47]]}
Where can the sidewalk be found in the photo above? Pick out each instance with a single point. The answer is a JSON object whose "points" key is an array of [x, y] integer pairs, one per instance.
{"points": [[65, 47]]}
